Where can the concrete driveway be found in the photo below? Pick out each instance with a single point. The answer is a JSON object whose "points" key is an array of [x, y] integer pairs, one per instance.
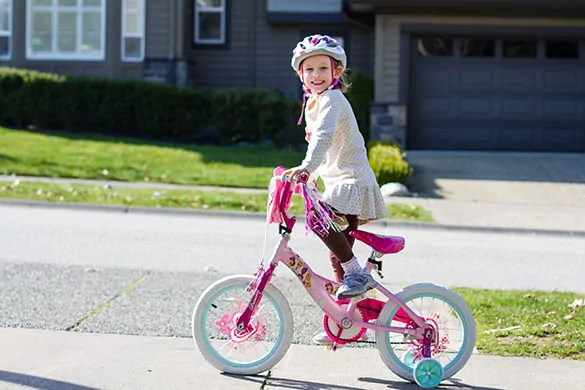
{"points": [[500, 177]]}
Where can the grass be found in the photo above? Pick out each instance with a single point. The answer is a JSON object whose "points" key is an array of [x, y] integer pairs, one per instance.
{"points": [[95, 157], [528, 323], [176, 198], [68, 155]]}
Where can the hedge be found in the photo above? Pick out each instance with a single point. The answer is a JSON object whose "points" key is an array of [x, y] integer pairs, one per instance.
{"points": [[144, 109], [117, 107], [360, 95]]}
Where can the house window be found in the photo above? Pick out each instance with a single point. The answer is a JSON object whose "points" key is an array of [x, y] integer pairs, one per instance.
{"points": [[435, 46], [565, 49], [520, 48], [133, 30], [477, 47], [66, 29], [210, 22], [5, 28]]}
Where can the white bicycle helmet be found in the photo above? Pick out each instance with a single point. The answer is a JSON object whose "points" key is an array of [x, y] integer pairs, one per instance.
{"points": [[318, 44]]}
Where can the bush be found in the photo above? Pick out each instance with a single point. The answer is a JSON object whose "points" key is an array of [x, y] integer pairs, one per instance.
{"points": [[249, 115], [388, 163], [87, 104]]}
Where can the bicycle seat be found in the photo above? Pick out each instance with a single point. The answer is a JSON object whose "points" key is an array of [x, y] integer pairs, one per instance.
{"points": [[382, 244]]}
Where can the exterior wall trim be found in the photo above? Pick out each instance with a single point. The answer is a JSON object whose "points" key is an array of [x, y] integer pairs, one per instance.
{"points": [[491, 30], [305, 18]]}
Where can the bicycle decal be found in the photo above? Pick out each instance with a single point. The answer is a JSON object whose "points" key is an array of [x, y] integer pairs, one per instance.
{"points": [[298, 267]]}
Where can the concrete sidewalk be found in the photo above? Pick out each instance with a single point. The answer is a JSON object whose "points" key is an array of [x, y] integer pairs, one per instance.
{"points": [[85, 361], [502, 216]]}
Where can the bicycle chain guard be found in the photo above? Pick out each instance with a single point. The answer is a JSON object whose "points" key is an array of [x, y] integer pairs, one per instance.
{"points": [[369, 310]]}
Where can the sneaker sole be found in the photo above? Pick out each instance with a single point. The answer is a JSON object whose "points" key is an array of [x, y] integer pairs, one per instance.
{"points": [[342, 296]]}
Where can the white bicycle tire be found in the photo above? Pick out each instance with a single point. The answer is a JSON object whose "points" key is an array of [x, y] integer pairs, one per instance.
{"points": [[279, 301], [427, 288]]}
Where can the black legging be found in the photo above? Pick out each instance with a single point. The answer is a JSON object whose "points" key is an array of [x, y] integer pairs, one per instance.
{"points": [[340, 246]]}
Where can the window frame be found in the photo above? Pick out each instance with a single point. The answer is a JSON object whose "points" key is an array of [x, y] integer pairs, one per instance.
{"points": [[8, 33], [54, 55], [224, 24], [141, 35]]}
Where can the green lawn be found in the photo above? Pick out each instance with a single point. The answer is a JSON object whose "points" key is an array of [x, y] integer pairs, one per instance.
{"points": [[528, 323], [80, 156], [178, 198]]}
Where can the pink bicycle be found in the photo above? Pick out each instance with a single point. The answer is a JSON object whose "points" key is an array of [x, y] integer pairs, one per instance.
{"points": [[243, 324]]}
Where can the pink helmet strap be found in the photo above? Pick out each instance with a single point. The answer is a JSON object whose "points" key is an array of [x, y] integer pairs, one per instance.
{"points": [[308, 90]]}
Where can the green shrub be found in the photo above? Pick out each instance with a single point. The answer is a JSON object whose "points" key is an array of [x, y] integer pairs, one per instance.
{"points": [[250, 115], [360, 95], [388, 163], [291, 134], [88, 104]]}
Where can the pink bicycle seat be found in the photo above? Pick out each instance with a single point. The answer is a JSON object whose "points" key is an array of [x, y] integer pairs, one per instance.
{"points": [[382, 244]]}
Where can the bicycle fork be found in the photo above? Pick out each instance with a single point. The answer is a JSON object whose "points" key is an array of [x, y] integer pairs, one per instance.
{"points": [[261, 279]]}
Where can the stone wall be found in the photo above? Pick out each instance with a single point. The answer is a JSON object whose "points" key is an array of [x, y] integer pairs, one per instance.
{"points": [[388, 122]]}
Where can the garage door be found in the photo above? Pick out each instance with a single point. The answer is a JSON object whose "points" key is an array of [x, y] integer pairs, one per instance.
{"points": [[497, 94]]}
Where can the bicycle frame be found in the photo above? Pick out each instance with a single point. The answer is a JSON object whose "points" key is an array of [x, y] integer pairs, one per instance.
{"points": [[321, 289]]}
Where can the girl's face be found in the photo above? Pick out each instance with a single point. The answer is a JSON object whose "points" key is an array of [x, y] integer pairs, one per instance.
{"points": [[316, 72]]}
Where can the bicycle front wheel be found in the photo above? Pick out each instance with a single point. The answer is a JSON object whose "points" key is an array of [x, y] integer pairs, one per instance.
{"points": [[248, 352]]}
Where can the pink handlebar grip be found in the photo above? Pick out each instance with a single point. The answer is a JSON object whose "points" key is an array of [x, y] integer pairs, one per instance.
{"points": [[303, 177]]}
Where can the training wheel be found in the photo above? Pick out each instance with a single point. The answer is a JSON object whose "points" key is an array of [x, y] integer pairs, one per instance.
{"points": [[428, 373]]}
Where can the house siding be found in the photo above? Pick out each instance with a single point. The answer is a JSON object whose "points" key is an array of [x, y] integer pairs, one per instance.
{"points": [[387, 59], [387, 74], [159, 28], [361, 49], [258, 53], [223, 67]]}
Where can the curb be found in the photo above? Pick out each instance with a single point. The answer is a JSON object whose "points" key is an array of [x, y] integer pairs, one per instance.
{"points": [[257, 215]]}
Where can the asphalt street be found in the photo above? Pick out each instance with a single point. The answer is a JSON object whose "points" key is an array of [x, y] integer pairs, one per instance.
{"points": [[232, 244]]}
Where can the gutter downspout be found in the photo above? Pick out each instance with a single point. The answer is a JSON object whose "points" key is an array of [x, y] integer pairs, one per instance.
{"points": [[173, 28]]}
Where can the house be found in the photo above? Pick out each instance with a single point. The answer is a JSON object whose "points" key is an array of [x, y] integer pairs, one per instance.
{"points": [[449, 74]]}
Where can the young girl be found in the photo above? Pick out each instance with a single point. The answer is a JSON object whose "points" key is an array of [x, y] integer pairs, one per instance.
{"points": [[337, 153]]}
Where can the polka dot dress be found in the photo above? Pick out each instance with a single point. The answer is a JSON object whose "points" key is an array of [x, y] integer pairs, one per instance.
{"points": [[337, 154]]}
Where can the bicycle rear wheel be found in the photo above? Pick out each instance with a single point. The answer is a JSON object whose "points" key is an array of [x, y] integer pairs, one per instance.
{"points": [[247, 352], [449, 315]]}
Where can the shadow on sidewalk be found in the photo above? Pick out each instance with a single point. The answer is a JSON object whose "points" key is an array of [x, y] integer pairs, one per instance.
{"points": [[449, 384], [35, 382], [285, 383], [476, 167]]}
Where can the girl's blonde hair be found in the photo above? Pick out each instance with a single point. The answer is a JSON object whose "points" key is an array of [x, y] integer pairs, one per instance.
{"points": [[344, 81]]}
